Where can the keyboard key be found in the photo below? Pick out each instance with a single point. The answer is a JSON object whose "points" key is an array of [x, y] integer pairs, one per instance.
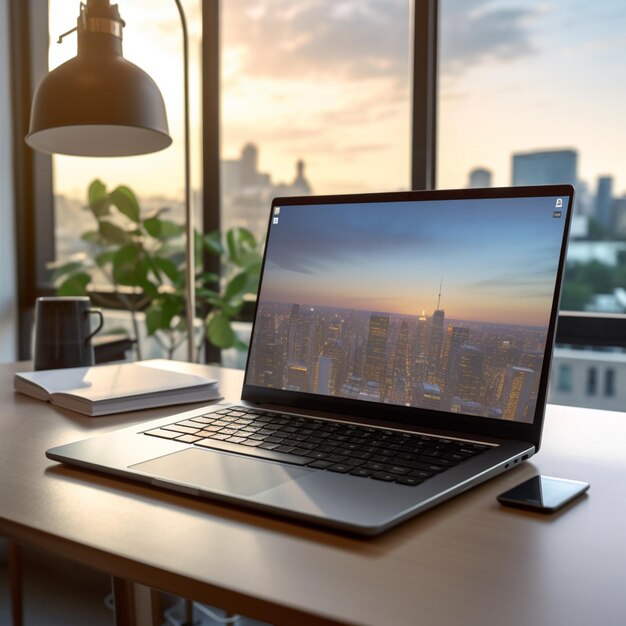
{"points": [[269, 446], [235, 439], [361, 471], [227, 431], [384, 476], [188, 438], [182, 429], [421, 474], [409, 480], [251, 443], [191, 423], [335, 458], [202, 420], [341, 468], [395, 469], [320, 464], [375, 467], [164, 434]]}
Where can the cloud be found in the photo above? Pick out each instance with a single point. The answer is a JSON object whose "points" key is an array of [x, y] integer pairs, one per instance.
{"points": [[354, 236], [474, 31], [353, 39]]}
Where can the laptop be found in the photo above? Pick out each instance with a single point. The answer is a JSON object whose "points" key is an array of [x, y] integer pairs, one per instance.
{"points": [[399, 356]]}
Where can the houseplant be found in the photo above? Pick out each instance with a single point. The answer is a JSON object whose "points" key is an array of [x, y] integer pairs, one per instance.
{"points": [[136, 260]]}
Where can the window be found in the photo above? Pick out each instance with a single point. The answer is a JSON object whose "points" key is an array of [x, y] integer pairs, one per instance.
{"points": [[592, 381], [315, 99], [609, 382], [564, 379]]}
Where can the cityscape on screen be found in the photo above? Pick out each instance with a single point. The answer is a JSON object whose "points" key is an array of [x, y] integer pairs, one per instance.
{"points": [[486, 363]]}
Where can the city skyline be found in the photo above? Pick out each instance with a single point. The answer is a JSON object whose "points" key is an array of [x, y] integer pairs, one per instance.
{"points": [[430, 362]]}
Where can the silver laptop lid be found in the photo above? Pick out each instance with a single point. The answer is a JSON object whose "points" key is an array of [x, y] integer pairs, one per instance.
{"points": [[434, 308]]}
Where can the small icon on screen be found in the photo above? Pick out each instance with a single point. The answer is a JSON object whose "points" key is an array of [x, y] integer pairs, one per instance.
{"points": [[556, 214], [559, 203], [276, 210], [275, 220]]}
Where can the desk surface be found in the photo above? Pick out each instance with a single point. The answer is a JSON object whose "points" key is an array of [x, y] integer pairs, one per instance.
{"points": [[468, 561]]}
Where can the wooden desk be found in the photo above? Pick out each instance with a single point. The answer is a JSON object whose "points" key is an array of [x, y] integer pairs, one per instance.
{"points": [[468, 561]]}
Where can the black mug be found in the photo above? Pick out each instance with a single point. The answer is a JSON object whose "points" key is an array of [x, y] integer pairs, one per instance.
{"points": [[63, 332]]}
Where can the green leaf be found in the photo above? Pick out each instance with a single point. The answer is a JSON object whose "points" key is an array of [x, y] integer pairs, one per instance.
{"points": [[129, 266], [232, 241], [104, 258], [172, 306], [169, 268], [161, 312], [68, 268], [75, 285], [162, 229], [219, 331], [241, 245], [213, 244], [207, 277], [247, 239], [150, 290], [236, 287], [154, 317], [231, 308], [98, 199], [126, 202], [113, 234]]}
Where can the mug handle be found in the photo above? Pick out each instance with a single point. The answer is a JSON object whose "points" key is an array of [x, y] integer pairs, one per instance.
{"points": [[97, 312]]}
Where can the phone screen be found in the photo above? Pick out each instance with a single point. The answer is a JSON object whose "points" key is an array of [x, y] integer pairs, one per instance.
{"points": [[543, 493]]}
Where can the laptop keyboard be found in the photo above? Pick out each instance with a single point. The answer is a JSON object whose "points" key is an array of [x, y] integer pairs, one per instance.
{"points": [[385, 455]]}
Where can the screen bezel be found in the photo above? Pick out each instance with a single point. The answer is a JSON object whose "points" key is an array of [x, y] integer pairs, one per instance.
{"points": [[416, 417]]}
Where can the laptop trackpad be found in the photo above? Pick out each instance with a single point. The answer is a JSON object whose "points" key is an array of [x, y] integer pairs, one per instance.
{"points": [[213, 471]]}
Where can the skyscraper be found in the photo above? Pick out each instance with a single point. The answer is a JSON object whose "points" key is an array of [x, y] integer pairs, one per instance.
{"points": [[456, 336], [436, 341], [479, 177], [401, 366], [516, 392], [604, 209], [469, 374], [545, 167], [249, 165], [376, 351], [297, 378]]}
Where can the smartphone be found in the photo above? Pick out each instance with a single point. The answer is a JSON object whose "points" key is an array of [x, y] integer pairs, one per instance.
{"points": [[543, 493]]}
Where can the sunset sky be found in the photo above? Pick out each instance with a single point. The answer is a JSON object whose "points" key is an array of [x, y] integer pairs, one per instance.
{"points": [[327, 81], [497, 258]]}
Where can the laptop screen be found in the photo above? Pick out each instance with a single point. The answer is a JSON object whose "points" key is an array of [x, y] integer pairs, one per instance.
{"points": [[437, 304]]}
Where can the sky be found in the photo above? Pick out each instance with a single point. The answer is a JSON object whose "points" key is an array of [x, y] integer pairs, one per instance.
{"points": [[496, 259], [328, 81]]}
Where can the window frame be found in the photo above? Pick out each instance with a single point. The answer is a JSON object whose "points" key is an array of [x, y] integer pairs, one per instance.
{"points": [[34, 200]]}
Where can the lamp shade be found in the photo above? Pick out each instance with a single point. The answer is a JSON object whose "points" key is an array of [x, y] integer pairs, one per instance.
{"points": [[98, 103]]}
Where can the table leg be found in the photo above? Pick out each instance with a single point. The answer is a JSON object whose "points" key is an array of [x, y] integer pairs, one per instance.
{"points": [[135, 604], [124, 601], [15, 584]]}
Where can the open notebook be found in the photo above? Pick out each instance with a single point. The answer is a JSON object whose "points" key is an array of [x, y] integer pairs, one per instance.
{"points": [[119, 387]]}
